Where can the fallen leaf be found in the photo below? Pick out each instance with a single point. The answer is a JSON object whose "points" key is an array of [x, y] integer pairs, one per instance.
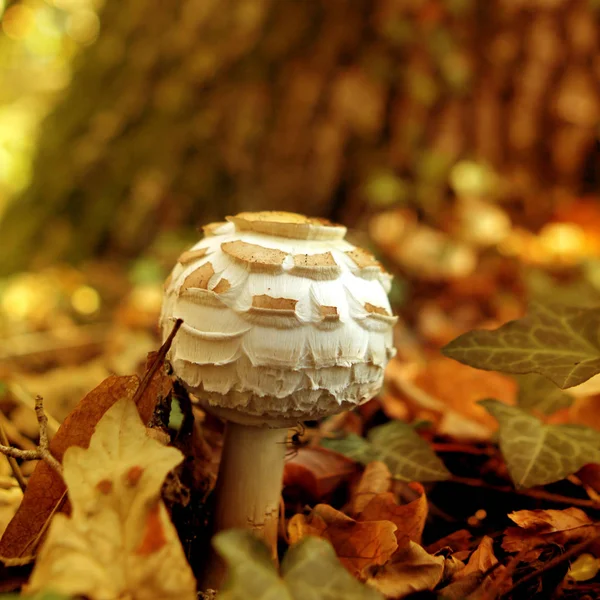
{"points": [[456, 541], [557, 341], [376, 479], [537, 454], [409, 518], [357, 544], [584, 568], [317, 471], [541, 527], [46, 489], [119, 540], [443, 377], [411, 570], [408, 456], [310, 569], [538, 393], [546, 521], [481, 560]]}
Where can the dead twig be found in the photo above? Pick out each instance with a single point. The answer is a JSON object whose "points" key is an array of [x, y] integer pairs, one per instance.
{"points": [[42, 452], [158, 361], [14, 465], [531, 493]]}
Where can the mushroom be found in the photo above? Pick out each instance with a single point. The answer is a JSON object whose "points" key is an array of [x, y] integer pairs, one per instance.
{"points": [[283, 321]]}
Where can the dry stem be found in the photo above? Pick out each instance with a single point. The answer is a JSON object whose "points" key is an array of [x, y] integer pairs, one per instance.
{"points": [[42, 452]]}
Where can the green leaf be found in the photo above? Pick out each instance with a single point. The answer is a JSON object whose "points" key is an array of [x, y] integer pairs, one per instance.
{"points": [[408, 456], [537, 454], [312, 570], [538, 393], [309, 571], [559, 342]]}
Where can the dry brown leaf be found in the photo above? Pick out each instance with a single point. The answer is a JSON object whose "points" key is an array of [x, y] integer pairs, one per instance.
{"points": [[456, 541], [447, 393], [376, 479], [317, 471], [411, 570], [541, 527], [481, 560], [119, 541], [409, 518], [357, 545], [45, 489], [546, 521]]}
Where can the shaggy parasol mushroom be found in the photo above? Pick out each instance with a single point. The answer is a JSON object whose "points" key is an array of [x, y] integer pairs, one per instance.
{"points": [[283, 321]]}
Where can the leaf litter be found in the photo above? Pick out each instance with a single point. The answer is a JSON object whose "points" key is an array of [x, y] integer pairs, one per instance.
{"points": [[474, 503]]}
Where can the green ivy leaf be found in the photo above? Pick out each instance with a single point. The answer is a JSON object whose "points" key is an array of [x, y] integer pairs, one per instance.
{"points": [[408, 456], [538, 393], [559, 342], [537, 454], [310, 569]]}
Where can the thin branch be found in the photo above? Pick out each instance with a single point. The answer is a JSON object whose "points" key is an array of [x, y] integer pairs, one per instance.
{"points": [[157, 362], [14, 465], [531, 493], [42, 452]]}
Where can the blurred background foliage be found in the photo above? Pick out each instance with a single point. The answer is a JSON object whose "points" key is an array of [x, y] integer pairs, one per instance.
{"points": [[123, 122], [457, 138]]}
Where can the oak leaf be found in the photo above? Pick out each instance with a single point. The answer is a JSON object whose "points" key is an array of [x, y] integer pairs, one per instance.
{"points": [[558, 341], [119, 541], [310, 569], [358, 545]]}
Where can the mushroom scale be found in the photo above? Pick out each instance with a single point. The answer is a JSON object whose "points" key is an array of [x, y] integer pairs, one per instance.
{"points": [[284, 320]]}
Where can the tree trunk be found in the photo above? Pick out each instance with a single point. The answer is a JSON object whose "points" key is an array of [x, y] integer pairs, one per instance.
{"points": [[183, 112]]}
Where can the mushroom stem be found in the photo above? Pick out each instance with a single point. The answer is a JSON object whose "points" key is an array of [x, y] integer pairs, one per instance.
{"points": [[248, 487]]}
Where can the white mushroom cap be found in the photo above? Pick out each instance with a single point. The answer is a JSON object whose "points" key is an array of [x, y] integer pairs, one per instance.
{"points": [[283, 320]]}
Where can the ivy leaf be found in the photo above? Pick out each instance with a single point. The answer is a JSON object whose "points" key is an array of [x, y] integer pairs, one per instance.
{"points": [[538, 393], [399, 446], [557, 341], [537, 454], [310, 569]]}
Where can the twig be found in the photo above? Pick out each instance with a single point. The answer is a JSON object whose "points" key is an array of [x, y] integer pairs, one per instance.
{"points": [[19, 393], [42, 452], [532, 493], [578, 549], [14, 465], [157, 362]]}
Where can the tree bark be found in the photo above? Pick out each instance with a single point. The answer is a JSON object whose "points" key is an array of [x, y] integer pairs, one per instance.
{"points": [[183, 112]]}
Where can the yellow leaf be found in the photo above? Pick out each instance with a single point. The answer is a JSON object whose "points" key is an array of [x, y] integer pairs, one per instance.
{"points": [[119, 541]]}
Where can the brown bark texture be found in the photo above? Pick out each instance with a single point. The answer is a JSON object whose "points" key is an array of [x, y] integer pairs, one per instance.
{"points": [[185, 111]]}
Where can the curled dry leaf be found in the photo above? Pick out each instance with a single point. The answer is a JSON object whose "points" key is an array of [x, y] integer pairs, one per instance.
{"points": [[119, 541], [411, 570], [481, 560], [317, 471], [46, 490], [409, 518], [540, 527], [376, 479], [357, 544]]}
